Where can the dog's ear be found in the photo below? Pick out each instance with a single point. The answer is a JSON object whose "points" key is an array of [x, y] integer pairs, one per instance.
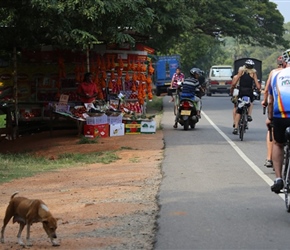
{"points": [[45, 221]]}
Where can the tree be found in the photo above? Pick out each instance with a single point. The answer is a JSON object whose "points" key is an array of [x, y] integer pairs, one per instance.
{"points": [[72, 23], [253, 21]]}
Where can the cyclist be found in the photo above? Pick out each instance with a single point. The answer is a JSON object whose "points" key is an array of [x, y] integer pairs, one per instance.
{"points": [[279, 115], [177, 77], [246, 76], [189, 87], [268, 162]]}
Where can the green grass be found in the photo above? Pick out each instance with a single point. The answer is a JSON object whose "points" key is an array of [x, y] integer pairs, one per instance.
{"points": [[2, 121], [85, 140], [15, 166], [134, 160], [156, 105]]}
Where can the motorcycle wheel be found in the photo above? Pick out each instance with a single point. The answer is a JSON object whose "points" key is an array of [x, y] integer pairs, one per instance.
{"points": [[192, 125], [186, 124]]}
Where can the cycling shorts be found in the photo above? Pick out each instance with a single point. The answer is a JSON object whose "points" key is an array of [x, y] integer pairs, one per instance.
{"points": [[280, 125]]}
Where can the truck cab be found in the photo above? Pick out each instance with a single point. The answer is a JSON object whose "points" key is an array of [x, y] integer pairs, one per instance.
{"points": [[165, 67]]}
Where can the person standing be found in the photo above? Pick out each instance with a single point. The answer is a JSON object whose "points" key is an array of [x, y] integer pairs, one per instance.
{"points": [[178, 76], [268, 162], [279, 116], [87, 90]]}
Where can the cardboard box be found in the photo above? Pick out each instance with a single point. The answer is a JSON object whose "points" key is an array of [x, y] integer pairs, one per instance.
{"points": [[117, 129], [100, 130], [148, 127], [132, 127], [63, 100], [115, 119], [95, 120]]}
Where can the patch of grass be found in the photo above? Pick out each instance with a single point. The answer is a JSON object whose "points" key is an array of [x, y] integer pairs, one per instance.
{"points": [[156, 105], [86, 140], [15, 166], [2, 121], [134, 160], [126, 148]]}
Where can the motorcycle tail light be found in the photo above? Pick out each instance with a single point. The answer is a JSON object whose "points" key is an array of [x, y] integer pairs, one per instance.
{"points": [[186, 104]]}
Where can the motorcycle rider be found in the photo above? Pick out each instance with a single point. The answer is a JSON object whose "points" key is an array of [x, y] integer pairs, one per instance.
{"points": [[247, 75], [189, 87], [178, 76]]}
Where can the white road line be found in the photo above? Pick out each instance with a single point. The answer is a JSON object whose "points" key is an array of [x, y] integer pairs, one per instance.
{"points": [[241, 153]]}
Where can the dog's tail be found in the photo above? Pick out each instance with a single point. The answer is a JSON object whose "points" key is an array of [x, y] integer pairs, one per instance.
{"points": [[12, 196]]}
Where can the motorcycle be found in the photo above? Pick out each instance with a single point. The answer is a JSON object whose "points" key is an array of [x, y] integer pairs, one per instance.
{"points": [[187, 113]]}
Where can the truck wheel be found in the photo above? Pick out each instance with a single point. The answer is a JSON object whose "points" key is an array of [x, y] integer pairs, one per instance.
{"points": [[208, 93]]}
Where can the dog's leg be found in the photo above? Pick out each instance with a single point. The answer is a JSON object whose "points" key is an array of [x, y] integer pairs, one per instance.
{"points": [[8, 216], [28, 243], [21, 226]]}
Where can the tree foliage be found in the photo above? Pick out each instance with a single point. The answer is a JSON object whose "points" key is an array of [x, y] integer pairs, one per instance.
{"points": [[73, 22], [195, 29]]}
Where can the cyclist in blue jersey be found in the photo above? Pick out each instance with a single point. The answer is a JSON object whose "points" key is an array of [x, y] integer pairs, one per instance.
{"points": [[279, 116]]}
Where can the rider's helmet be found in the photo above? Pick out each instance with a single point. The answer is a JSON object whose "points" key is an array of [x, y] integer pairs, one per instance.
{"points": [[286, 56], [280, 60], [249, 64], [195, 71]]}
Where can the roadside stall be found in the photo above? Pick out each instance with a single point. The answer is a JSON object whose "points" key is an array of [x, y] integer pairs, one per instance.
{"points": [[47, 89]]}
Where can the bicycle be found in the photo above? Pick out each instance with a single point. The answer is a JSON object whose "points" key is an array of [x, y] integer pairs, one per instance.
{"points": [[286, 168], [176, 94], [243, 103]]}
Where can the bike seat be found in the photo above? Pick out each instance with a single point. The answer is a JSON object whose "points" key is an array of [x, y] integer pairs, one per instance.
{"points": [[245, 100], [186, 99]]}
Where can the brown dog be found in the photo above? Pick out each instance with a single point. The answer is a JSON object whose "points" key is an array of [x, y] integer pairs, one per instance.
{"points": [[25, 212]]}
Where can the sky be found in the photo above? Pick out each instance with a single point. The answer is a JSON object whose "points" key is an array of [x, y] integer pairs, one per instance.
{"points": [[284, 7]]}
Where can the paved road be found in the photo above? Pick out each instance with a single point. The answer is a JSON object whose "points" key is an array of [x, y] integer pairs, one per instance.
{"points": [[216, 192]]}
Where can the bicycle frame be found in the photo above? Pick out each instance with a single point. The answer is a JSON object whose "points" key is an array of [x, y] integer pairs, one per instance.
{"points": [[286, 172]]}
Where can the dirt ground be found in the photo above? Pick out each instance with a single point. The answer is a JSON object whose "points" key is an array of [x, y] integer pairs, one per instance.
{"points": [[99, 206]]}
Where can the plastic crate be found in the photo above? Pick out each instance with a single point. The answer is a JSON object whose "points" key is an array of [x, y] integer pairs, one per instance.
{"points": [[95, 120], [115, 119]]}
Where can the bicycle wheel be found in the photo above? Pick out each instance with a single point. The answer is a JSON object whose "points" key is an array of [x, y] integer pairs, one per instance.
{"points": [[242, 125], [175, 107], [286, 177]]}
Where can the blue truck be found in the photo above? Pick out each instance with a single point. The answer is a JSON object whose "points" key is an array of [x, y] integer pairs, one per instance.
{"points": [[165, 67]]}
